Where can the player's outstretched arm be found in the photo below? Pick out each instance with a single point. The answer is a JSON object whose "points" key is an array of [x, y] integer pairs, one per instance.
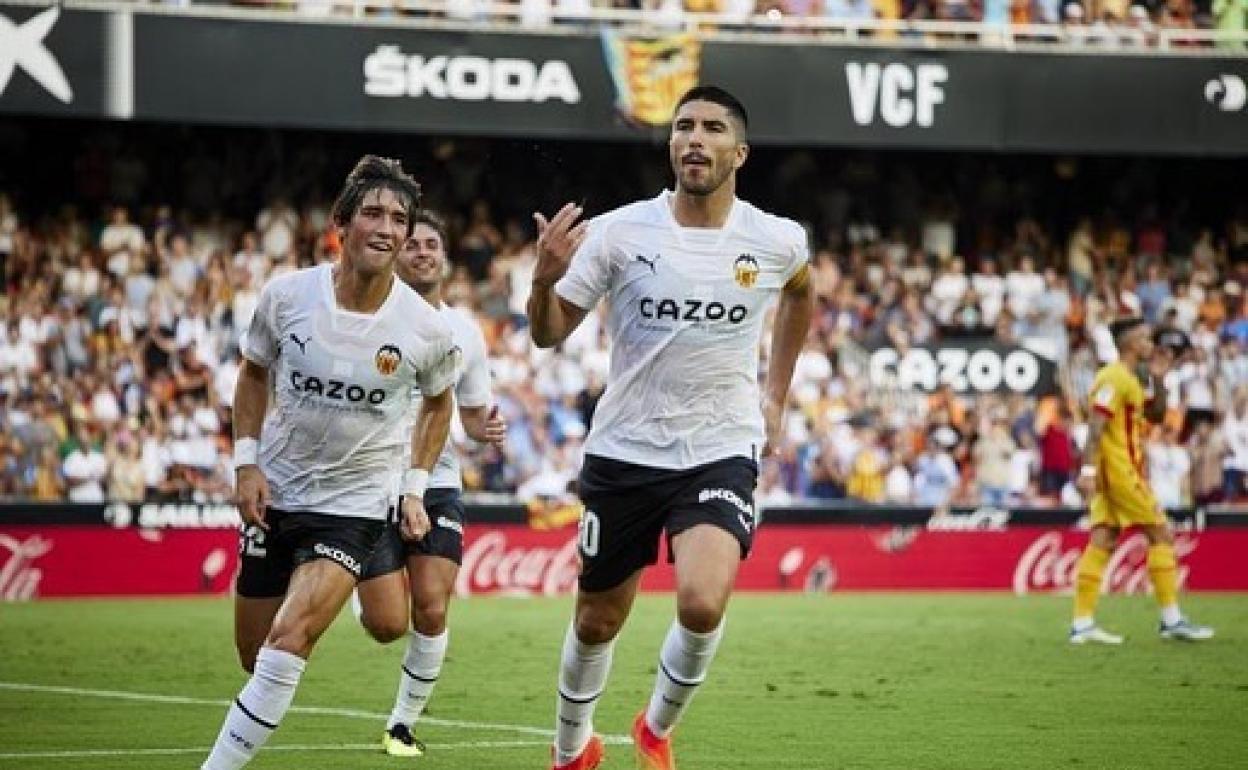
{"points": [[788, 334], [433, 423], [551, 317], [251, 399]]}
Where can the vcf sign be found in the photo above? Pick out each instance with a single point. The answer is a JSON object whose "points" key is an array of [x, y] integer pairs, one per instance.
{"points": [[902, 94]]}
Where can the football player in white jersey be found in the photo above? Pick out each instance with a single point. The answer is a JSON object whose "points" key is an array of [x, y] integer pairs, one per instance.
{"points": [[432, 562], [343, 345], [676, 438]]}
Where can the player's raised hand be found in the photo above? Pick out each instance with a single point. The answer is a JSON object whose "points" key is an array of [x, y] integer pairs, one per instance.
{"points": [[495, 428], [252, 495], [557, 240], [414, 524]]}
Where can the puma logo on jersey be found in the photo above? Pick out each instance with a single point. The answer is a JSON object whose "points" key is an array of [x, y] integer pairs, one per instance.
{"points": [[303, 344], [650, 263]]}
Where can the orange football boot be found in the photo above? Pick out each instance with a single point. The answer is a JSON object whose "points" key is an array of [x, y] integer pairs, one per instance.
{"points": [[653, 752], [588, 759]]}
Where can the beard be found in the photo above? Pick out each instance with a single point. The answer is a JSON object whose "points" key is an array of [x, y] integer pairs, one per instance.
{"points": [[701, 185]]}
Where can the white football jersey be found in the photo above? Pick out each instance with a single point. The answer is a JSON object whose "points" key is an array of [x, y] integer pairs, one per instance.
{"points": [[686, 308], [472, 389], [333, 440]]}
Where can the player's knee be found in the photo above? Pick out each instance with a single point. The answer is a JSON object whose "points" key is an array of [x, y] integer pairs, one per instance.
{"points": [[386, 629], [700, 613], [597, 627], [294, 638], [429, 618], [1160, 534], [1104, 537]]}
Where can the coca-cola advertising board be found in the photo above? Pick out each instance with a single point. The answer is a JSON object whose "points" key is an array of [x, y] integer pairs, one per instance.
{"points": [[1021, 559], [38, 562], [67, 561]]}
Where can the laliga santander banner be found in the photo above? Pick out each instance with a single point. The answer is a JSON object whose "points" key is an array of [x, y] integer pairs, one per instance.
{"points": [[68, 561]]}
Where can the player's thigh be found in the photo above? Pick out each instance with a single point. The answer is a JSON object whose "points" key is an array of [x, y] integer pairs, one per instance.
{"points": [[1135, 505], [383, 605], [318, 590], [253, 618], [707, 558], [431, 582], [330, 553], [625, 511], [382, 591]]}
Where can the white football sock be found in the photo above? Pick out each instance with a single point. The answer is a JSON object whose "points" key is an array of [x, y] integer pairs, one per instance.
{"points": [[1171, 615], [582, 677], [421, 666], [257, 710], [683, 662]]}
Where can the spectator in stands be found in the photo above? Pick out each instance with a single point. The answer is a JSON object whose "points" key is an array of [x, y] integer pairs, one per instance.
{"points": [[1057, 455], [120, 242], [989, 287], [49, 482], [1168, 467], [126, 481], [866, 471], [1207, 449], [991, 456], [936, 476], [1154, 292], [1235, 434], [1023, 287], [898, 481], [9, 225], [276, 225], [1230, 16], [85, 467], [948, 290]]}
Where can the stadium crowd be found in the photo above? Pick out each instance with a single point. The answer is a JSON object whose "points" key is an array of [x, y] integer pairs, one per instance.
{"points": [[121, 323], [1101, 23]]}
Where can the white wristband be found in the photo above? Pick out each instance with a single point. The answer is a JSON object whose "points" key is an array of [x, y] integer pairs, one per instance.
{"points": [[415, 481], [246, 452], [1087, 470]]}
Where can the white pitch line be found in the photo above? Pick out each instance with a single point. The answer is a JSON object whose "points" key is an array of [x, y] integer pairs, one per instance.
{"points": [[321, 710], [85, 753]]}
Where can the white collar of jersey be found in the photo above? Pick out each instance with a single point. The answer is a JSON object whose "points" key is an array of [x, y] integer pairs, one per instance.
{"points": [[327, 285], [666, 202]]}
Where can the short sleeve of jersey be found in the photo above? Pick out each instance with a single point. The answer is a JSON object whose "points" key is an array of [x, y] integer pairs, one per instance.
{"points": [[437, 372], [473, 389], [259, 343], [589, 275], [797, 249], [1108, 393]]}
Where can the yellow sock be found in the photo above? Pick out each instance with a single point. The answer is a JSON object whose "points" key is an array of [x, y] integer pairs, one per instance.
{"points": [[1163, 571], [1088, 583]]}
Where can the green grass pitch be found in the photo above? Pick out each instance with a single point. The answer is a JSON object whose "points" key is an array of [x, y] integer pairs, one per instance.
{"points": [[839, 681]]}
